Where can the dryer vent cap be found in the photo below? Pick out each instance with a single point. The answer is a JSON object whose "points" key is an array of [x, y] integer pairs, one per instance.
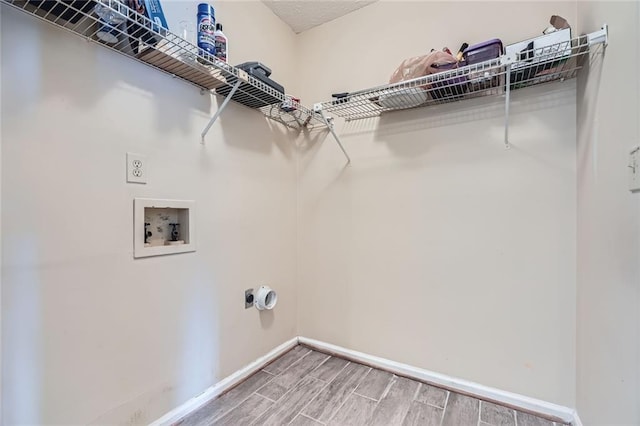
{"points": [[265, 298]]}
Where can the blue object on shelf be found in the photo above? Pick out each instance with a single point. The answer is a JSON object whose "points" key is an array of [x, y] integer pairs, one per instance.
{"points": [[206, 28], [155, 13]]}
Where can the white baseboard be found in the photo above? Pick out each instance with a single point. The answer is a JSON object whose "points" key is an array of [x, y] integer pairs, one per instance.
{"points": [[520, 402], [223, 385]]}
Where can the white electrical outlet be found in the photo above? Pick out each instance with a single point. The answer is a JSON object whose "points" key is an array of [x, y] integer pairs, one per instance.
{"points": [[634, 169], [136, 168]]}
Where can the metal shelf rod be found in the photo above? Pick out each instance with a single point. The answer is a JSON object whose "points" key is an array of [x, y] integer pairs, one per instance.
{"points": [[318, 109], [219, 111], [507, 101]]}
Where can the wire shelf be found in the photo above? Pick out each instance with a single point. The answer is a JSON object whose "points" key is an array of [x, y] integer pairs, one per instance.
{"points": [[139, 38], [552, 63]]}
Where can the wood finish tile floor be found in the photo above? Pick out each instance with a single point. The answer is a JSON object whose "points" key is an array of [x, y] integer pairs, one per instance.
{"points": [[308, 388]]}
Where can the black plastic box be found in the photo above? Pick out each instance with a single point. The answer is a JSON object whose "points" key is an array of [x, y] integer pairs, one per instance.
{"points": [[248, 94]]}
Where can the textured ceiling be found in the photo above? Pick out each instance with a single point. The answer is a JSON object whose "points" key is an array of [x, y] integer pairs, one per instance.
{"points": [[301, 15]]}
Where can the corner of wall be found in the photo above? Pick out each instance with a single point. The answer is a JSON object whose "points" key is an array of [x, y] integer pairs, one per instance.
{"points": [[1, 411], [1, 346], [607, 300]]}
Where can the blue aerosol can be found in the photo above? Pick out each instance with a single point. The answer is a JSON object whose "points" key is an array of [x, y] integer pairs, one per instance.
{"points": [[206, 29]]}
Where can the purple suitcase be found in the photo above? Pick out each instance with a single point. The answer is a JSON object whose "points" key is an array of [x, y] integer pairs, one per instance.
{"points": [[484, 77], [485, 51], [449, 87]]}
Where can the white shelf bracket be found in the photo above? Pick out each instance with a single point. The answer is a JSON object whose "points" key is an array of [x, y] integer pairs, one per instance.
{"points": [[507, 100], [600, 36], [317, 108], [219, 111]]}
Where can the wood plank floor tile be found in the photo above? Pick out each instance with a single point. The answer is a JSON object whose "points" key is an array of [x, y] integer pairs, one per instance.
{"points": [[461, 410], [496, 415], [356, 411], [374, 384], [525, 419], [393, 407], [225, 403], [301, 420], [325, 405], [246, 412], [329, 369], [304, 387], [432, 395], [423, 415], [288, 407], [276, 388], [286, 360]]}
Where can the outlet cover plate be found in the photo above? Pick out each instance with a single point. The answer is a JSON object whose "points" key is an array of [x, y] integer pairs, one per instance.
{"points": [[136, 168]]}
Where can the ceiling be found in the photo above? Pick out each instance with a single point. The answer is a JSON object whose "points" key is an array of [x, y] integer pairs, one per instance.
{"points": [[302, 15]]}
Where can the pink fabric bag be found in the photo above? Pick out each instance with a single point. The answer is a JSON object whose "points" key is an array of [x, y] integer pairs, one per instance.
{"points": [[420, 66]]}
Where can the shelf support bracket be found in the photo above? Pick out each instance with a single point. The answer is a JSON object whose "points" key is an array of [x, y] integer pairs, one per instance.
{"points": [[317, 108], [219, 111], [507, 101], [600, 36]]}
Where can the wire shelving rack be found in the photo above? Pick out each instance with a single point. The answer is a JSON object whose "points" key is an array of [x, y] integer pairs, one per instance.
{"points": [[497, 77], [139, 38]]}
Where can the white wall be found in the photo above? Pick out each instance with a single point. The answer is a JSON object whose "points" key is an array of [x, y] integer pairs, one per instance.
{"points": [[437, 247], [608, 295], [91, 335]]}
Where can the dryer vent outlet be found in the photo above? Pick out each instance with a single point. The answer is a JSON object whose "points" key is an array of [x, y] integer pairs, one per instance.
{"points": [[265, 298]]}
